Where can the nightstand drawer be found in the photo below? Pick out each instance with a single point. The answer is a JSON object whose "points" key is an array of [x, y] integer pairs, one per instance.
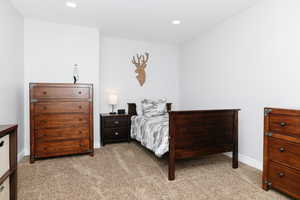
{"points": [[116, 122], [116, 133], [4, 155]]}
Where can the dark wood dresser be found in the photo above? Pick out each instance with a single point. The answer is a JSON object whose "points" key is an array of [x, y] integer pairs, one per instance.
{"points": [[8, 162], [115, 128], [281, 169], [61, 119]]}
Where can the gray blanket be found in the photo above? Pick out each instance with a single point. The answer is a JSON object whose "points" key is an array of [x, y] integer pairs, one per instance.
{"points": [[152, 132]]}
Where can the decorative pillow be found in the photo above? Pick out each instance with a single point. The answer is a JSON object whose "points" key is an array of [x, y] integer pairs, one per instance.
{"points": [[152, 108]]}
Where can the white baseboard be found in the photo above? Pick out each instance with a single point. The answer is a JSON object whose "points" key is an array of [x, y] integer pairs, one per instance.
{"points": [[21, 155], [97, 145], [248, 161], [27, 152]]}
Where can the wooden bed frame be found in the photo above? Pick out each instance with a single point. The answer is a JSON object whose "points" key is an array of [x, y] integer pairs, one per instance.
{"points": [[200, 132]]}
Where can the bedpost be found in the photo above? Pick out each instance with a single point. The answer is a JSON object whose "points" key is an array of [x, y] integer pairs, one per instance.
{"points": [[235, 151], [132, 109], [169, 107], [171, 148]]}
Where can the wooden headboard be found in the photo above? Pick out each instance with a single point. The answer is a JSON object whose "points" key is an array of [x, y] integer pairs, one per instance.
{"points": [[132, 108]]}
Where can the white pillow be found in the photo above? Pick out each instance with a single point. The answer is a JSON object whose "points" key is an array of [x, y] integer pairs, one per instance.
{"points": [[152, 108]]}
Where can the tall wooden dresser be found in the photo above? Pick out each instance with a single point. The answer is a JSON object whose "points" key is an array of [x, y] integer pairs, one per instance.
{"points": [[8, 162], [282, 151], [61, 119]]}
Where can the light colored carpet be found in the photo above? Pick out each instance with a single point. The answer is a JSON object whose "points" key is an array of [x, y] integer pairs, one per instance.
{"points": [[129, 172]]}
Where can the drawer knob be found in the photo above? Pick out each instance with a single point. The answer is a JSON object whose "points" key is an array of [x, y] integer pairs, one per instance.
{"points": [[79, 107], [281, 174], [44, 92], [282, 149], [79, 92], [116, 122], [282, 124], [45, 107], [81, 145], [80, 119], [2, 188], [116, 133], [1, 143]]}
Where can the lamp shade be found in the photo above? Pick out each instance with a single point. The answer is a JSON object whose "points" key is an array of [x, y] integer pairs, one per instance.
{"points": [[112, 99]]}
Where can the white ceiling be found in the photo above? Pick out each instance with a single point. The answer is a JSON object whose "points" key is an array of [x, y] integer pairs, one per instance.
{"points": [[137, 19]]}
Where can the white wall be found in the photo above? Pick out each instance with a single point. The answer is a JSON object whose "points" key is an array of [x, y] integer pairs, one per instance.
{"points": [[11, 68], [51, 50], [250, 61], [117, 71]]}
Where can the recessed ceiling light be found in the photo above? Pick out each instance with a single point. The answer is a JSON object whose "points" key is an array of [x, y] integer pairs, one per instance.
{"points": [[176, 22], [71, 4]]}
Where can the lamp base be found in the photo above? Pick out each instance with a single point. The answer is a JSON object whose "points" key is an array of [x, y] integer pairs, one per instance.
{"points": [[112, 110]]}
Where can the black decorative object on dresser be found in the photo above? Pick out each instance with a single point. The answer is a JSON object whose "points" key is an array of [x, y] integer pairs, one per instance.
{"points": [[115, 128], [8, 162]]}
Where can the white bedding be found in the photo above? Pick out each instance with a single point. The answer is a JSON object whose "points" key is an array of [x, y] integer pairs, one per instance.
{"points": [[152, 132]]}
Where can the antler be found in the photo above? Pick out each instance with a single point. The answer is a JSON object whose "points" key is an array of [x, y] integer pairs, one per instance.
{"points": [[145, 60], [138, 63], [141, 60]]}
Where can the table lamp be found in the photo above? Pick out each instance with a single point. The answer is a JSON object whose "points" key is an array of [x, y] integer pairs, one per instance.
{"points": [[112, 100]]}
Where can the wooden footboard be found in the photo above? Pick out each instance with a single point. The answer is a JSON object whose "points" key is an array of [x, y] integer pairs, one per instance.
{"points": [[202, 132]]}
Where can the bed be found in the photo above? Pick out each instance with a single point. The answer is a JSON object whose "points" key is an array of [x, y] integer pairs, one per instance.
{"points": [[187, 134]]}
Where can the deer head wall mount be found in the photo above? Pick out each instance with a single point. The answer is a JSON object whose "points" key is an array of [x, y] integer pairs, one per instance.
{"points": [[140, 63]]}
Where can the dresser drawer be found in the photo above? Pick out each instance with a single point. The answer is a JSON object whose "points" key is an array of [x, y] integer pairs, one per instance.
{"points": [[4, 155], [48, 149], [285, 124], [61, 107], [5, 190], [285, 152], [61, 120], [49, 92], [116, 122], [43, 135], [116, 133], [285, 179]]}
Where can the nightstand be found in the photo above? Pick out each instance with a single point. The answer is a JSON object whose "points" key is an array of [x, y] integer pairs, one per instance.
{"points": [[115, 128]]}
